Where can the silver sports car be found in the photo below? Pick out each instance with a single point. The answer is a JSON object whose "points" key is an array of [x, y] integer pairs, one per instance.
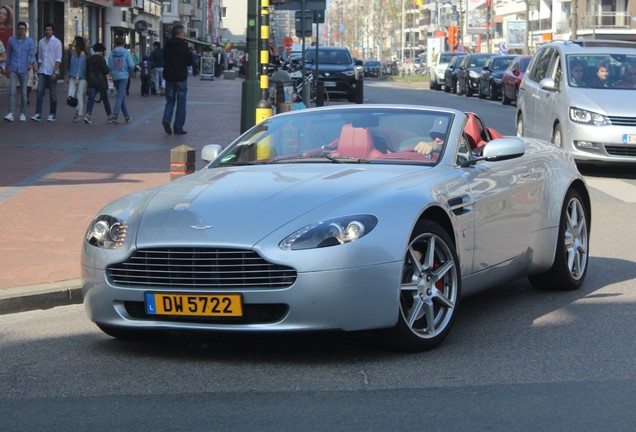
{"points": [[374, 217]]}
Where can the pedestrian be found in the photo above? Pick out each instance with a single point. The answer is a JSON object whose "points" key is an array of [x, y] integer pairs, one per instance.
{"points": [[177, 57], [144, 74], [121, 66], [20, 59], [156, 64], [196, 66], [77, 76], [49, 59], [97, 80]]}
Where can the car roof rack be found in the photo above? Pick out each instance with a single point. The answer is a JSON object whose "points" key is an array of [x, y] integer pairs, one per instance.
{"points": [[604, 43]]}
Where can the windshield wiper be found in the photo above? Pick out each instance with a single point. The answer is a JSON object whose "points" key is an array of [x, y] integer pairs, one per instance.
{"points": [[334, 159]]}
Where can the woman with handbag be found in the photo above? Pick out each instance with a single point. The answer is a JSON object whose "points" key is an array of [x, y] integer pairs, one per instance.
{"points": [[77, 78]]}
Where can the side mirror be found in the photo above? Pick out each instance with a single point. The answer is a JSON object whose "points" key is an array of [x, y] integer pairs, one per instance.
{"points": [[548, 84], [210, 152], [504, 148]]}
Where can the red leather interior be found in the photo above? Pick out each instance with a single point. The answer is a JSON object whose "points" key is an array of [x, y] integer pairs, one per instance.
{"points": [[356, 142], [473, 130]]}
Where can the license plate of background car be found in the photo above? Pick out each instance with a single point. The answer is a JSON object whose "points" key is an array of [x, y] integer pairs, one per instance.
{"points": [[219, 305], [629, 139], [330, 84]]}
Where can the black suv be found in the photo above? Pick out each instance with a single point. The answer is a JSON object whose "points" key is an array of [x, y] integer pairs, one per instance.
{"points": [[469, 72], [336, 69]]}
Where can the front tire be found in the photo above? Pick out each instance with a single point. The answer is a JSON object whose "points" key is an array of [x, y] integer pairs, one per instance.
{"points": [[519, 128], [493, 93], [556, 135], [504, 98], [430, 290], [571, 258]]}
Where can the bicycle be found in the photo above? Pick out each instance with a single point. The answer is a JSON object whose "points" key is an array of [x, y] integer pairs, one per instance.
{"points": [[313, 90]]}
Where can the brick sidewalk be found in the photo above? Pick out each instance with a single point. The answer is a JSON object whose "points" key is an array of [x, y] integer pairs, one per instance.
{"points": [[54, 177]]}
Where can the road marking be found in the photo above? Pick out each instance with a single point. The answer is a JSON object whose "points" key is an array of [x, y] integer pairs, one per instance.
{"points": [[617, 188]]}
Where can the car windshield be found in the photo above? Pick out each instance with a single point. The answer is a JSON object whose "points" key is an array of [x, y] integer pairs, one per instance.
{"points": [[326, 56], [477, 61], [446, 57], [501, 64], [351, 135], [602, 71]]}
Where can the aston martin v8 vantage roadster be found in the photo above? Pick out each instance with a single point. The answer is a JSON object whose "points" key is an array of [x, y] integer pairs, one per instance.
{"points": [[373, 217]]}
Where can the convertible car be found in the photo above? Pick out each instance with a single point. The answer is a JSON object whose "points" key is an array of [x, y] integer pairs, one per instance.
{"points": [[374, 217]]}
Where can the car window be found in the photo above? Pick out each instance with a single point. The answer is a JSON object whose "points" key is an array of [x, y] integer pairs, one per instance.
{"points": [[326, 56], [499, 64], [540, 66], [446, 57], [476, 61]]}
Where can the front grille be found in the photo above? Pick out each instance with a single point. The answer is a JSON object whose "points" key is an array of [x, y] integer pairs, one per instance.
{"points": [[621, 150], [200, 268], [622, 121]]}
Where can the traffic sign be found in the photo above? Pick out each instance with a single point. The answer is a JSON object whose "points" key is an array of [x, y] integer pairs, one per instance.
{"points": [[503, 48]]}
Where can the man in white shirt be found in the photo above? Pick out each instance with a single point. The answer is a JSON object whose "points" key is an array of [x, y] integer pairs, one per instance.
{"points": [[49, 59]]}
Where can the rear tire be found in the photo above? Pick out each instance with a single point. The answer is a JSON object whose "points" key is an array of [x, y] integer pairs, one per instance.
{"points": [[429, 293], [571, 258]]}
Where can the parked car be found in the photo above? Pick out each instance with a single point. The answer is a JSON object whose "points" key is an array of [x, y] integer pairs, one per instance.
{"points": [[450, 74], [372, 68], [469, 72], [561, 99], [336, 68], [491, 75], [512, 77], [195, 255], [439, 68]]}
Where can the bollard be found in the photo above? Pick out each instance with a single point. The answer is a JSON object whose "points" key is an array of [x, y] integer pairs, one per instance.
{"points": [[182, 161], [320, 93]]}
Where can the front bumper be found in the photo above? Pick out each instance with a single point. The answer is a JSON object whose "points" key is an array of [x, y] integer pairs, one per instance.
{"points": [[600, 143], [350, 299]]}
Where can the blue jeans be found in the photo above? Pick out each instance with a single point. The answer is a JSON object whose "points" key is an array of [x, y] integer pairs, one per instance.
{"points": [[44, 82], [178, 91], [157, 76], [23, 78], [92, 92], [120, 101]]}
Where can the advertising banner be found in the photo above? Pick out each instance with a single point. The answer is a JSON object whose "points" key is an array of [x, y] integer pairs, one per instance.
{"points": [[477, 16], [516, 34]]}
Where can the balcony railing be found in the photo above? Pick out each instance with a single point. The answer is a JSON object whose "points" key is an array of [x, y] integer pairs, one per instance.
{"points": [[606, 20]]}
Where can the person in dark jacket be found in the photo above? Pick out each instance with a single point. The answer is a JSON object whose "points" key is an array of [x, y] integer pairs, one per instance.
{"points": [[177, 57], [156, 64], [97, 81]]}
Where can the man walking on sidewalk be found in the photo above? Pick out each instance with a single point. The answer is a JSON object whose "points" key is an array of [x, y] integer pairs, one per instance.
{"points": [[20, 59], [156, 64], [177, 57], [121, 66], [49, 59]]}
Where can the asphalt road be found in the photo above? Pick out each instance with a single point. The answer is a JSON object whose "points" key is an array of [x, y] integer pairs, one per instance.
{"points": [[516, 360]]}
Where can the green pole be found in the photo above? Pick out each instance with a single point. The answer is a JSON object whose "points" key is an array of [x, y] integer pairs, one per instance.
{"points": [[250, 89]]}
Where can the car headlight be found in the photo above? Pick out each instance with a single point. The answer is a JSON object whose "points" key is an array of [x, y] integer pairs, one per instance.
{"points": [[107, 232], [473, 74], [579, 115], [330, 232], [348, 72]]}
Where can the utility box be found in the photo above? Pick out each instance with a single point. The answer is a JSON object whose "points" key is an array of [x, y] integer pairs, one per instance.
{"points": [[182, 161]]}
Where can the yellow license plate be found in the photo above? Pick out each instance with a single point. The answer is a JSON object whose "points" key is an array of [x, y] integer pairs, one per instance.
{"points": [[217, 305]]}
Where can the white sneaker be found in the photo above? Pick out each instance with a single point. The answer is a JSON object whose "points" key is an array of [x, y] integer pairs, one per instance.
{"points": [[9, 117], [22, 117], [50, 118]]}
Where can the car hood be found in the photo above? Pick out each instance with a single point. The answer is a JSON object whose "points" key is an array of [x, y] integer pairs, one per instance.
{"points": [[242, 205], [603, 101]]}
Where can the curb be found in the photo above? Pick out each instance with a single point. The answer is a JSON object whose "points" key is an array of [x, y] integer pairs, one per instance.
{"points": [[44, 296]]}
